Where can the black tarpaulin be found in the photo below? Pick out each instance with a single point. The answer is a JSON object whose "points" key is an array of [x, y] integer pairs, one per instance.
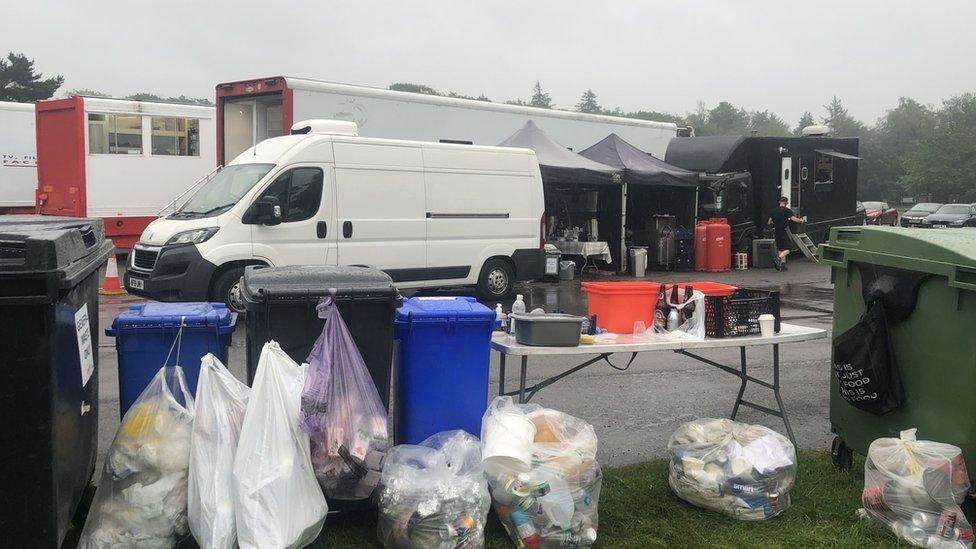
{"points": [[559, 164], [639, 167], [714, 154]]}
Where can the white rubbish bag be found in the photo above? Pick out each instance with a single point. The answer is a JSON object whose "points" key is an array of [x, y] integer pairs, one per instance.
{"points": [[141, 497], [221, 401], [914, 487], [744, 471], [278, 502]]}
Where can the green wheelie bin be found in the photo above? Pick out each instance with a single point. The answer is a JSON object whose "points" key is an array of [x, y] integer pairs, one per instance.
{"points": [[926, 279]]}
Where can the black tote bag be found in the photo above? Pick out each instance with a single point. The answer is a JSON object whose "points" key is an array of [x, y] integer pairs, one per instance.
{"points": [[865, 366]]}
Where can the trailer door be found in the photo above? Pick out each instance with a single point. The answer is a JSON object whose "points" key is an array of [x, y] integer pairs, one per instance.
{"points": [[249, 121]]}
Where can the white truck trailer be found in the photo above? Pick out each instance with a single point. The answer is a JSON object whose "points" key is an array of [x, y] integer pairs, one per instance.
{"points": [[120, 160], [18, 157], [250, 111]]}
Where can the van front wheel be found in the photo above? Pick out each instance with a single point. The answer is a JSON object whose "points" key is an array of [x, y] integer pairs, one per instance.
{"points": [[497, 280], [227, 290]]}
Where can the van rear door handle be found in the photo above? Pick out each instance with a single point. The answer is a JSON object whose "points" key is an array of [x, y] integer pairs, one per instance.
{"points": [[321, 229], [347, 229]]}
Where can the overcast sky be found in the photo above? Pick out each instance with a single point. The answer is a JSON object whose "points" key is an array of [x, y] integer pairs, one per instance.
{"points": [[784, 56]]}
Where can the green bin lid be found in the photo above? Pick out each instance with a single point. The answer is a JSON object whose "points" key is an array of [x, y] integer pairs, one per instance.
{"points": [[946, 252]]}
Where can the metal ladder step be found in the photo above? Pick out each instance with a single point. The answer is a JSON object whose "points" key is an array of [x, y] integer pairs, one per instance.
{"points": [[806, 245]]}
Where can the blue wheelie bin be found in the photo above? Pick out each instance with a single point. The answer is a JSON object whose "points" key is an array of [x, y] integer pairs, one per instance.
{"points": [[443, 363], [146, 332]]}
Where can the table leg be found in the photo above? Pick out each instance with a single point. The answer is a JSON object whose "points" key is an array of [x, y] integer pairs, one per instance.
{"points": [[744, 378], [501, 374], [522, 376], [779, 399]]}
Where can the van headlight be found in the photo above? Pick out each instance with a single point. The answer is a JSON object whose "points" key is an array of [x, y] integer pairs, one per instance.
{"points": [[196, 236]]}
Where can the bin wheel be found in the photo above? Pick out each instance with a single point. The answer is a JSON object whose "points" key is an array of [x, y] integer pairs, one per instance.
{"points": [[841, 455], [497, 280], [226, 289]]}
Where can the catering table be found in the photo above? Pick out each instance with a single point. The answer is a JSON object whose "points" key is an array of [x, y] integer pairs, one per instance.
{"points": [[586, 250], [605, 348]]}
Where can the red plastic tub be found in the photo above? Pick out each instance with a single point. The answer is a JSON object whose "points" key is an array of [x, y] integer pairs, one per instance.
{"points": [[710, 289], [617, 305]]}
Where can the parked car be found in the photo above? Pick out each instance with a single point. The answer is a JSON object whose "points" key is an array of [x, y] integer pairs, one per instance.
{"points": [[880, 213], [429, 214], [952, 215], [914, 216]]}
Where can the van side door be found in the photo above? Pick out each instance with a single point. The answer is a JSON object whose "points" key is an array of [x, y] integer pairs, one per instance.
{"points": [[306, 233], [381, 208]]}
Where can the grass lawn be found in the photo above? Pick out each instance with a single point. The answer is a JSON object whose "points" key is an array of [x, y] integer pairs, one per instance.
{"points": [[638, 509]]}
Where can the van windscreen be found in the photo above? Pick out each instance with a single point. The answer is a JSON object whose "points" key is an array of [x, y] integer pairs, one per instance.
{"points": [[223, 191]]}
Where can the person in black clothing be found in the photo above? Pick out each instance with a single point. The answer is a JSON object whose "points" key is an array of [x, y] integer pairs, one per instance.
{"points": [[780, 219]]}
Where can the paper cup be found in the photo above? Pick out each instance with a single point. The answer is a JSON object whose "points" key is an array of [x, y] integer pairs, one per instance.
{"points": [[508, 443], [767, 325]]}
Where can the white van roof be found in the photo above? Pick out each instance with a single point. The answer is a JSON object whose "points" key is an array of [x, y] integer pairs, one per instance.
{"points": [[291, 149]]}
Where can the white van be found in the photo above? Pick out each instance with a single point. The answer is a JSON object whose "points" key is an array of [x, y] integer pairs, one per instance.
{"points": [[429, 214]]}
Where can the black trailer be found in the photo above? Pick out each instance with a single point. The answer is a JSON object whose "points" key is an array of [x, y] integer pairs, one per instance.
{"points": [[743, 178]]}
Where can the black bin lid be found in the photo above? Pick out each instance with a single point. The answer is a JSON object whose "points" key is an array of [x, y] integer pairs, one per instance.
{"points": [[310, 282], [31, 244]]}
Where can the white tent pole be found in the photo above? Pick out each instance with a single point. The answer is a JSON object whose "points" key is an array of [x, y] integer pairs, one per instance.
{"points": [[623, 227]]}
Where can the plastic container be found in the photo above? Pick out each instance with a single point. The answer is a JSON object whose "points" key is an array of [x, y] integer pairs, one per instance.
{"points": [[552, 262], [719, 236], [701, 246], [737, 314], [927, 279], [145, 334], [280, 304], [684, 245], [548, 330], [767, 325], [49, 280], [617, 305], [443, 365], [710, 289]]}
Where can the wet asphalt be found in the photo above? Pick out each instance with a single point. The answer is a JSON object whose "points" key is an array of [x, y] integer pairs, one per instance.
{"points": [[633, 411]]}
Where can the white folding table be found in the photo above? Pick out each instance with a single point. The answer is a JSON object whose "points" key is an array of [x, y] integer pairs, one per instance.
{"points": [[789, 333]]}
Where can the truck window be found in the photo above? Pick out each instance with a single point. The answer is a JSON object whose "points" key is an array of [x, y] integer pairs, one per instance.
{"points": [[299, 191], [114, 134], [823, 174], [175, 136]]}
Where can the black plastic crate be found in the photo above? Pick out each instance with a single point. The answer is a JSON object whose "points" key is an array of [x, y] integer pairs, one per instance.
{"points": [[738, 314], [684, 242]]}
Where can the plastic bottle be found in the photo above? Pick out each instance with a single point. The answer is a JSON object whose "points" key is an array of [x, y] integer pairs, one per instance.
{"points": [[500, 316], [518, 308], [586, 538], [525, 529]]}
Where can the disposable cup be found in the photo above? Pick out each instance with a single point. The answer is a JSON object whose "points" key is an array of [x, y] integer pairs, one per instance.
{"points": [[767, 325], [508, 440]]}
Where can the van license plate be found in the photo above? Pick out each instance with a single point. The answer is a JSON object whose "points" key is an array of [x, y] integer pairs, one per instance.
{"points": [[939, 226], [137, 283]]}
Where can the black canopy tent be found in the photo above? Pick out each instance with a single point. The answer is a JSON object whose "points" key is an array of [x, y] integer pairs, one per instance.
{"points": [[652, 186], [571, 182]]}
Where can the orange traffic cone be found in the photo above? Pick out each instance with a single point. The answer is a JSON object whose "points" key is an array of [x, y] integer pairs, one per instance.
{"points": [[111, 285]]}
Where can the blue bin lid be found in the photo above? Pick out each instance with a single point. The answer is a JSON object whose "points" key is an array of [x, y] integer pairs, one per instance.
{"points": [[148, 316], [435, 309]]}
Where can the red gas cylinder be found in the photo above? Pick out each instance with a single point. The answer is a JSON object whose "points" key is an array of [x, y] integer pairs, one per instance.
{"points": [[701, 246], [718, 233]]}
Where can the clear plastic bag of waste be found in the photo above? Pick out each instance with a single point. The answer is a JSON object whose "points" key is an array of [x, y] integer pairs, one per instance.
{"points": [[221, 401], [277, 501], [741, 470], [914, 487], [342, 413], [142, 493], [543, 474], [433, 495]]}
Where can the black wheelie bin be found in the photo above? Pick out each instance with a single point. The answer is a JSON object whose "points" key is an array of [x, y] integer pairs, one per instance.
{"points": [[50, 269]]}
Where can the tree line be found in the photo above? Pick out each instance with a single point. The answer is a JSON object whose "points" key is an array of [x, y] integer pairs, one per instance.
{"points": [[912, 150]]}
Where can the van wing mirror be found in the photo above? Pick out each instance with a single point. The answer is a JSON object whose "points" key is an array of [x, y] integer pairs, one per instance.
{"points": [[264, 211]]}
